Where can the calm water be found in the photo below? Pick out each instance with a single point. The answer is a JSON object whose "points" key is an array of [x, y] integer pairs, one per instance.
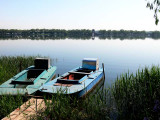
{"points": [[118, 56]]}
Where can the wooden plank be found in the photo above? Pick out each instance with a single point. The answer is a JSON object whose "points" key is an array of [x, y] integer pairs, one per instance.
{"points": [[22, 82], [60, 84], [26, 110], [67, 81], [80, 73]]}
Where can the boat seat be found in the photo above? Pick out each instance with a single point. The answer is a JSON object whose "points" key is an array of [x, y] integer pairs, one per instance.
{"points": [[22, 82], [67, 81], [34, 73], [84, 73]]}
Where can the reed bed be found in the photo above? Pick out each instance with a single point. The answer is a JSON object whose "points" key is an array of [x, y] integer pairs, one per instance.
{"points": [[10, 66], [61, 107], [137, 96], [9, 103], [132, 96]]}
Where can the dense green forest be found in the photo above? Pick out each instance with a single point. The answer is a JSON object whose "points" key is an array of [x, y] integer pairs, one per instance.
{"points": [[76, 34]]}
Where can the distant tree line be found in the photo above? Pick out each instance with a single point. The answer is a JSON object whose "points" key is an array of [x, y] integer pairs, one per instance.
{"points": [[44, 34], [76, 34], [127, 34]]}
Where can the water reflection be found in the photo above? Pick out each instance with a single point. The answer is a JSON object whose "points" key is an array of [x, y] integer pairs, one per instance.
{"points": [[118, 56]]}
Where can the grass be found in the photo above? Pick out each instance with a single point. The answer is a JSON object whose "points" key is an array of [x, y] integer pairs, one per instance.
{"points": [[10, 66], [8, 104], [138, 96], [61, 107], [132, 96]]}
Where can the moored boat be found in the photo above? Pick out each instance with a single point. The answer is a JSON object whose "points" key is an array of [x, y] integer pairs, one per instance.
{"points": [[77, 82], [29, 80]]}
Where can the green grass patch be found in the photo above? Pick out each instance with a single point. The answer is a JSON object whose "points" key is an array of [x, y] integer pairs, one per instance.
{"points": [[9, 103], [137, 96], [62, 107], [132, 96], [9, 67]]}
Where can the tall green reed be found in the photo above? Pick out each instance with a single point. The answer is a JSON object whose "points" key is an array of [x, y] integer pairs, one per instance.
{"points": [[133, 96], [67, 107], [9, 103], [136, 95], [10, 66]]}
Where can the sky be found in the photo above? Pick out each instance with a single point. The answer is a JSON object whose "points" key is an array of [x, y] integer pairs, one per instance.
{"points": [[77, 14]]}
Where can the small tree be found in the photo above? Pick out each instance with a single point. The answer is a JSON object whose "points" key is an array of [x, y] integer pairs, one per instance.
{"points": [[155, 6]]}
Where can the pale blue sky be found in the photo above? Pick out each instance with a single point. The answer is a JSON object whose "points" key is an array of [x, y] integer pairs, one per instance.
{"points": [[76, 14]]}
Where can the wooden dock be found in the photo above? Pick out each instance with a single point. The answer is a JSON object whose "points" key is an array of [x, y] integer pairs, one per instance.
{"points": [[27, 110]]}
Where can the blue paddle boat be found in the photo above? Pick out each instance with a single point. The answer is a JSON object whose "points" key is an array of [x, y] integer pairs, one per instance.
{"points": [[77, 82], [29, 80]]}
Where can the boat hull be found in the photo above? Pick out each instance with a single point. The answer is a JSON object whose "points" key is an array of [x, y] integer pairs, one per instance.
{"points": [[91, 86], [18, 85], [81, 88]]}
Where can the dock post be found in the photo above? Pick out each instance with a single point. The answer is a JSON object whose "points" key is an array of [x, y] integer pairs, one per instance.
{"points": [[36, 105], [103, 71]]}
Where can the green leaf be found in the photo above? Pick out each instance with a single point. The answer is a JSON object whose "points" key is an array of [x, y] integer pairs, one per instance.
{"points": [[157, 20]]}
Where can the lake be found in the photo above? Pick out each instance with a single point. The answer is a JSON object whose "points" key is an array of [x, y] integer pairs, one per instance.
{"points": [[118, 56]]}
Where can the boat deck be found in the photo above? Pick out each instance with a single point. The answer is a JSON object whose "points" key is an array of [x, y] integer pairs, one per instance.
{"points": [[70, 85], [21, 84]]}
